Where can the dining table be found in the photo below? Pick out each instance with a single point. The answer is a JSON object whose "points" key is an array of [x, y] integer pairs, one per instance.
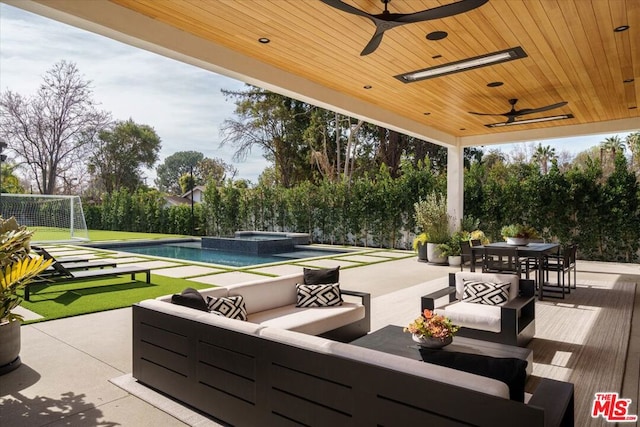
{"points": [[532, 250]]}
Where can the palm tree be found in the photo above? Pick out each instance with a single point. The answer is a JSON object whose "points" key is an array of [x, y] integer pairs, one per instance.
{"points": [[612, 144], [633, 141], [544, 155]]}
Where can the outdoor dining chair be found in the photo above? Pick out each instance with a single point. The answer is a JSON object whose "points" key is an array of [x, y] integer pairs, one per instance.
{"points": [[501, 260], [467, 254], [563, 263]]}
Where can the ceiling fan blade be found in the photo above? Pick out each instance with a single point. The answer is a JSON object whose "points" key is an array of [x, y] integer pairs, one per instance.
{"points": [[338, 4], [541, 109], [439, 12], [373, 43]]}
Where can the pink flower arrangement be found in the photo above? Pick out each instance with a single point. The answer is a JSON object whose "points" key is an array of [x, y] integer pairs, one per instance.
{"points": [[433, 325]]}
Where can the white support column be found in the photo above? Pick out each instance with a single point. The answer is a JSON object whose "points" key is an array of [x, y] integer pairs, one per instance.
{"points": [[455, 185]]}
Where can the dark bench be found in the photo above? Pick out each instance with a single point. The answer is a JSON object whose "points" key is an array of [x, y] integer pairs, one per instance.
{"points": [[67, 276]]}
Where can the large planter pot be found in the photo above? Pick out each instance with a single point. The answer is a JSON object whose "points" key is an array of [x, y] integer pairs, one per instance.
{"points": [[9, 346], [455, 260], [434, 255], [517, 241], [422, 252]]}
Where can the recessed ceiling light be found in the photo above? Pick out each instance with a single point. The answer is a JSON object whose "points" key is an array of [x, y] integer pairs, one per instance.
{"points": [[621, 28], [628, 80], [367, 86], [524, 122], [437, 35], [264, 40], [495, 84], [465, 64]]}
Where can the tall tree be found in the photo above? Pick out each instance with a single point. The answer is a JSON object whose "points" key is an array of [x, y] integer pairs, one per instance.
{"points": [[542, 156], [51, 131], [120, 153], [613, 144], [216, 170], [173, 167], [10, 182], [187, 182], [276, 125], [609, 148], [633, 142]]}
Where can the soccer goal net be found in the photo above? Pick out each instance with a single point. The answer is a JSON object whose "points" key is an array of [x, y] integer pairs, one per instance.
{"points": [[52, 218]]}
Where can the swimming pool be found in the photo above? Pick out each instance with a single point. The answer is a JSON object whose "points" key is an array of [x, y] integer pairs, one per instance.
{"points": [[191, 251]]}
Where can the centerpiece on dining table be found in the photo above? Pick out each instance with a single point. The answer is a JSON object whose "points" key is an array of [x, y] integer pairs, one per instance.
{"points": [[518, 234], [432, 330]]}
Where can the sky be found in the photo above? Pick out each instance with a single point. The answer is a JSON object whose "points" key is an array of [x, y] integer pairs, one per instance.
{"points": [[181, 102]]}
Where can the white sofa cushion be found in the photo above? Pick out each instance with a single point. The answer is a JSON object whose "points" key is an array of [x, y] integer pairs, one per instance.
{"points": [[313, 321], [308, 342], [268, 293], [472, 315], [514, 289], [422, 369]]}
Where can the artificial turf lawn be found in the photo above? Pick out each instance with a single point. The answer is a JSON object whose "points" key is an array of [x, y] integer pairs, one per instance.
{"points": [[80, 297], [43, 234], [101, 235]]}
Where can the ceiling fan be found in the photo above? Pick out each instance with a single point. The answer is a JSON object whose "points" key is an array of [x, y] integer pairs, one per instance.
{"points": [[387, 20], [513, 114]]}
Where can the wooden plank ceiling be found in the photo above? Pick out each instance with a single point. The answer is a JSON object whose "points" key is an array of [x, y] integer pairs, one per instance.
{"points": [[573, 54]]}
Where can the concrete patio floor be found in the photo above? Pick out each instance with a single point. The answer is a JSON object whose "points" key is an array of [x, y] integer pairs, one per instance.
{"points": [[68, 363]]}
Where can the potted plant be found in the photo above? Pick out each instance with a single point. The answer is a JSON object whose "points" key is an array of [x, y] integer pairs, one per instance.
{"points": [[432, 330], [432, 217], [420, 246], [452, 248], [518, 234], [479, 235], [17, 268]]}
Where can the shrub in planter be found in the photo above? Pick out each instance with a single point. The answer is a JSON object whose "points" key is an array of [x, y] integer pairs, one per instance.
{"points": [[518, 233], [17, 269], [432, 217], [420, 246]]}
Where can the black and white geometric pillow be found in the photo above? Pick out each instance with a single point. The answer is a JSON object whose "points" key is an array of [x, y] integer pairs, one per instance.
{"points": [[318, 295], [486, 292], [231, 307]]}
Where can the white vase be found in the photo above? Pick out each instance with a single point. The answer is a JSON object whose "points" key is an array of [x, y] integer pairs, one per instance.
{"points": [[455, 261], [431, 342]]}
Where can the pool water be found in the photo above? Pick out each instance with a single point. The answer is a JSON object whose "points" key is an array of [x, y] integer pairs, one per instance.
{"points": [[191, 251]]}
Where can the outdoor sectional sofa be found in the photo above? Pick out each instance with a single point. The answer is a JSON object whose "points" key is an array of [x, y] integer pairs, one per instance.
{"points": [[260, 372]]}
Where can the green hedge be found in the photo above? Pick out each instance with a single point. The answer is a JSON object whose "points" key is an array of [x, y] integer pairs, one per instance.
{"points": [[601, 214]]}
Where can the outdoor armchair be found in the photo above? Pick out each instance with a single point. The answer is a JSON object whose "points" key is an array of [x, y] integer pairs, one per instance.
{"points": [[483, 311]]}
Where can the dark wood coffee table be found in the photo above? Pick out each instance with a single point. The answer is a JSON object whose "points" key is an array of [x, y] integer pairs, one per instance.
{"points": [[392, 340]]}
